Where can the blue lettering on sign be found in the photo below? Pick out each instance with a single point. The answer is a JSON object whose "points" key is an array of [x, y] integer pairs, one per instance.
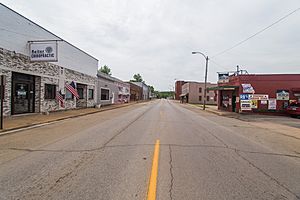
{"points": [[244, 97]]}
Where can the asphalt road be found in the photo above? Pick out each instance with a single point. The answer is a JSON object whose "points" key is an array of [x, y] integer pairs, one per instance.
{"points": [[108, 155]]}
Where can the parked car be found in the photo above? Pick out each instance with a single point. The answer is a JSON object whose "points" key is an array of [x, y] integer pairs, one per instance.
{"points": [[294, 109]]}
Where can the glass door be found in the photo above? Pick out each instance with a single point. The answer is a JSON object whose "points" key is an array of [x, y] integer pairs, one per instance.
{"points": [[23, 98]]}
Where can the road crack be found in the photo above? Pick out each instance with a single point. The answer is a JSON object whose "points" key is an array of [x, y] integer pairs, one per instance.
{"points": [[267, 175]]}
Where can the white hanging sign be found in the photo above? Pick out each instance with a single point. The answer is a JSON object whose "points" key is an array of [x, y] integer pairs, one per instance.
{"points": [[43, 51]]}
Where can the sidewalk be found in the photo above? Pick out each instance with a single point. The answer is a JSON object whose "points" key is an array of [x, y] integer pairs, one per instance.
{"points": [[214, 109], [266, 121], [23, 121]]}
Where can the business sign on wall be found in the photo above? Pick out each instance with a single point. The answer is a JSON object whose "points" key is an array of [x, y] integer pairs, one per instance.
{"points": [[43, 51], [247, 88], [223, 77], [254, 104], [244, 97], [282, 95], [259, 96], [245, 104], [272, 104]]}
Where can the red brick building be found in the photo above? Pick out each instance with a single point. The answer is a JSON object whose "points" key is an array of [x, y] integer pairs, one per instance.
{"points": [[178, 89], [258, 93]]}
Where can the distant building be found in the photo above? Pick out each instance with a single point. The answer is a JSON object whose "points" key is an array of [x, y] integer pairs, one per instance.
{"points": [[112, 90], [38, 65], [193, 92], [136, 92], [178, 89], [145, 94], [257, 92]]}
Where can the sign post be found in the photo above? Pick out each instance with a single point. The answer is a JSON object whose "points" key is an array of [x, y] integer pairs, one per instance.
{"points": [[2, 98]]}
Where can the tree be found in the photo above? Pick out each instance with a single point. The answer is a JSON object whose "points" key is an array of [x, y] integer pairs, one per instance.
{"points": [[105, 69], [137, 78], [165, 94], [151, 89]]}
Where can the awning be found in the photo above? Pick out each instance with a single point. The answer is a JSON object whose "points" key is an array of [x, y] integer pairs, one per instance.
{"points": [[182, 95], [226, 87]]}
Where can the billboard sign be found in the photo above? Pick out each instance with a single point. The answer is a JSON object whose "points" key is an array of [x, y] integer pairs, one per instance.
{"points": [[43, 51]]}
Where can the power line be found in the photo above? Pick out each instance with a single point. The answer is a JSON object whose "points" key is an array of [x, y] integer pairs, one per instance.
{"points": [[243, 41], [221, 66]]}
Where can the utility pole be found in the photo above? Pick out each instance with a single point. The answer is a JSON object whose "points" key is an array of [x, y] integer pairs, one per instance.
{"points": [[205, 81]]}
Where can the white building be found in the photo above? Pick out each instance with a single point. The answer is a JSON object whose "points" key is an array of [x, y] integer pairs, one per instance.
{"points": [[112, 90], [31, 86]]}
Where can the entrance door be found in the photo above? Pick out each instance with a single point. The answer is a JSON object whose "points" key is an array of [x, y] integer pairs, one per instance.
{"points": [[22, 96]]}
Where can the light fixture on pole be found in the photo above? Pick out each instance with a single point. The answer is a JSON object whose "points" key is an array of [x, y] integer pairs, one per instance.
{"points": [[205, 82]]}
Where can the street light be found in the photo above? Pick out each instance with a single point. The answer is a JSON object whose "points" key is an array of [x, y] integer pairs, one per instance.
{"points": [[205, 82], [175, 88]]}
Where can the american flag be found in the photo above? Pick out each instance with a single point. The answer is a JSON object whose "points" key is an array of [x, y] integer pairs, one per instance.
{"points": [[72, 88], [60, 98]]}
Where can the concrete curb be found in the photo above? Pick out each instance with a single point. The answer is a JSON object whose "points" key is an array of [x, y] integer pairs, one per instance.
{"points": [[36, 125]]}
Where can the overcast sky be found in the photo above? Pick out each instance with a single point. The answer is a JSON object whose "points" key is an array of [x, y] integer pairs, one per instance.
{"points": [[156, 37]]}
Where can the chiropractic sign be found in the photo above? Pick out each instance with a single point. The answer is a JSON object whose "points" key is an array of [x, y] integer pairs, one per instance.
{"points": [[43, 51]]}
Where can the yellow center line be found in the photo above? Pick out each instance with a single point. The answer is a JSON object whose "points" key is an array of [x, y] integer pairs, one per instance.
{"points": [[153, 178]]}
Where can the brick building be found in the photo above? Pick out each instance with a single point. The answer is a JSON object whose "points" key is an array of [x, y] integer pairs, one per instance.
{"points": [[178, 89], [136, 92], [258, 92], [193, 92]]}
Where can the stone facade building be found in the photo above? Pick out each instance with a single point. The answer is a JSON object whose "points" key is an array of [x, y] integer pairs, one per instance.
{"points": [[32, 86]]}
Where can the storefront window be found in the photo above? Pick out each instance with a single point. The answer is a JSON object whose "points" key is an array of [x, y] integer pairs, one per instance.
{"points": [[69, 95], [91, 94], [104, 94], [50, 91], [80, 93]]}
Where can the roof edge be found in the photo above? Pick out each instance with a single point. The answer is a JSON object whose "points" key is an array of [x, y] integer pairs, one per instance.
{"points": [[48, 31]]}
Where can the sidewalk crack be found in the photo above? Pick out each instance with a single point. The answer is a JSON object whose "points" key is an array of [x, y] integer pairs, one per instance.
{"points": [[171, 173]]}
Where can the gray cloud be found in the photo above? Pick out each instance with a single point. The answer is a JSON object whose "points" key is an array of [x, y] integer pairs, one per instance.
{"points": [[155, 38]]}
